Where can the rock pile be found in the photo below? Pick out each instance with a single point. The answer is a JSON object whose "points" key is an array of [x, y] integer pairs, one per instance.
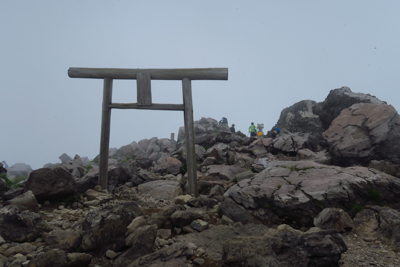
{"points": [[324, 192]]}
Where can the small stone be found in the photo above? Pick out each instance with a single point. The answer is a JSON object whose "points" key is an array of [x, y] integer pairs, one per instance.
{"points": [[177, 230], [198, 261], [111, 254]]}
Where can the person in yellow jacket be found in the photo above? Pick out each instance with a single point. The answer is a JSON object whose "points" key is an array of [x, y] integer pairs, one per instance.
{"points": [[252, 130]]}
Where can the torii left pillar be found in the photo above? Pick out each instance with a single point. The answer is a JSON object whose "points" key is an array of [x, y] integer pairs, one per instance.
{"points": [[143, 79]]}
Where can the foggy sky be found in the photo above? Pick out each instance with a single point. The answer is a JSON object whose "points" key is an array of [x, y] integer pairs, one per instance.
{"points": [[277, 53]]}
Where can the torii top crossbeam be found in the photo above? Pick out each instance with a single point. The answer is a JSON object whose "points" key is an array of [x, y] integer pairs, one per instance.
{"points": [[143, 78]]}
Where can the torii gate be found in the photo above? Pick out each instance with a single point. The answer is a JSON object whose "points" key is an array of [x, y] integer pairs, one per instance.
{"points": [[143, 79]]}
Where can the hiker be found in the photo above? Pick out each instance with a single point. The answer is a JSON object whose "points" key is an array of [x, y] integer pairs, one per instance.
{"points": [[276, 129], [232, 128], [223, 120], [4, 164], [252, 130]]}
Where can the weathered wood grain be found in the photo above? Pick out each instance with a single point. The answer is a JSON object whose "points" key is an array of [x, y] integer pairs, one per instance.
{"points": [[189, 134], [105, 133], [179, 107], [156, 74], [143, 81]]}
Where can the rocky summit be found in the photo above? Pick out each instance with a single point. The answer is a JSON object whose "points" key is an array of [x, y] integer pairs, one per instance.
{"points": [[325, 191]]}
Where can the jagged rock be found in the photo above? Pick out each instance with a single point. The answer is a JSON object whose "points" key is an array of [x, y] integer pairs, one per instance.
{"points": [[19, 169], [105, 226], [174, 255], [181, 218], [116, 176], [244, 175], [60, 258], [48, 184], [64, 158], [198, 150], [199, 225], [143, 162], [260, 147], [333, 218], [74, 166], [168, 164], [338, 100], [236, 212], [224, 172], [217, 192], [385, 166], [298, 191], [218, 152], [276, 248], [67, 240], [161, 189], [292, 142], [376, 221], [300, 118], [365, 132], [141, 242], [26, 201], [21, 226], [13, 192]]}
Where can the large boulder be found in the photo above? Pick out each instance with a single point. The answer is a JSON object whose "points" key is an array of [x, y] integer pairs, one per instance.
{"points": [[375, 222], [297, 191], [167, 164], [161, 189], [26, 201], [46, 183], [116, 176], [365, 132], [301, 118], [285, 248], [339, 99], [60, 258], [105, 226], [21, 226], [19, 169]]}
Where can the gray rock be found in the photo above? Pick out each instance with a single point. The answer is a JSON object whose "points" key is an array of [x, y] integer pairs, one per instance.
{"points": [[60, 258], [300, 190], [167, 190], [365, 132], [19, 169], [141, 242], [338, 100], [334, 218], [67, 240], [322, 248], [64, 158], [20, 226], [105, 226], [26, 201], [51, 184]]}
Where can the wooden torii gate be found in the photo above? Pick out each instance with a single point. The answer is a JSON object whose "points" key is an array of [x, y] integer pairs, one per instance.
{"points": [[143, 79]]}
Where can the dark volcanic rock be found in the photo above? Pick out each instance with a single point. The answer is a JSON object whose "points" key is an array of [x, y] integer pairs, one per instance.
{"points": [[48, 183], [17, 226], [339, 99]]}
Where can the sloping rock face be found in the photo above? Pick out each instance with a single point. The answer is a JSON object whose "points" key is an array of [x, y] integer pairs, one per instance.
{"points": [[20, 226], [339, 99], [19, 169], [285, 249], [301, 118], [365, 132], [48, 184], [299, 191], [105, 227]]}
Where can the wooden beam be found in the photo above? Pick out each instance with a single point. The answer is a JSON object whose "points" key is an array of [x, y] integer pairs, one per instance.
{"points": [[178, 107], [189, 134], [156, 74], [143, 82], [105, 133]]}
